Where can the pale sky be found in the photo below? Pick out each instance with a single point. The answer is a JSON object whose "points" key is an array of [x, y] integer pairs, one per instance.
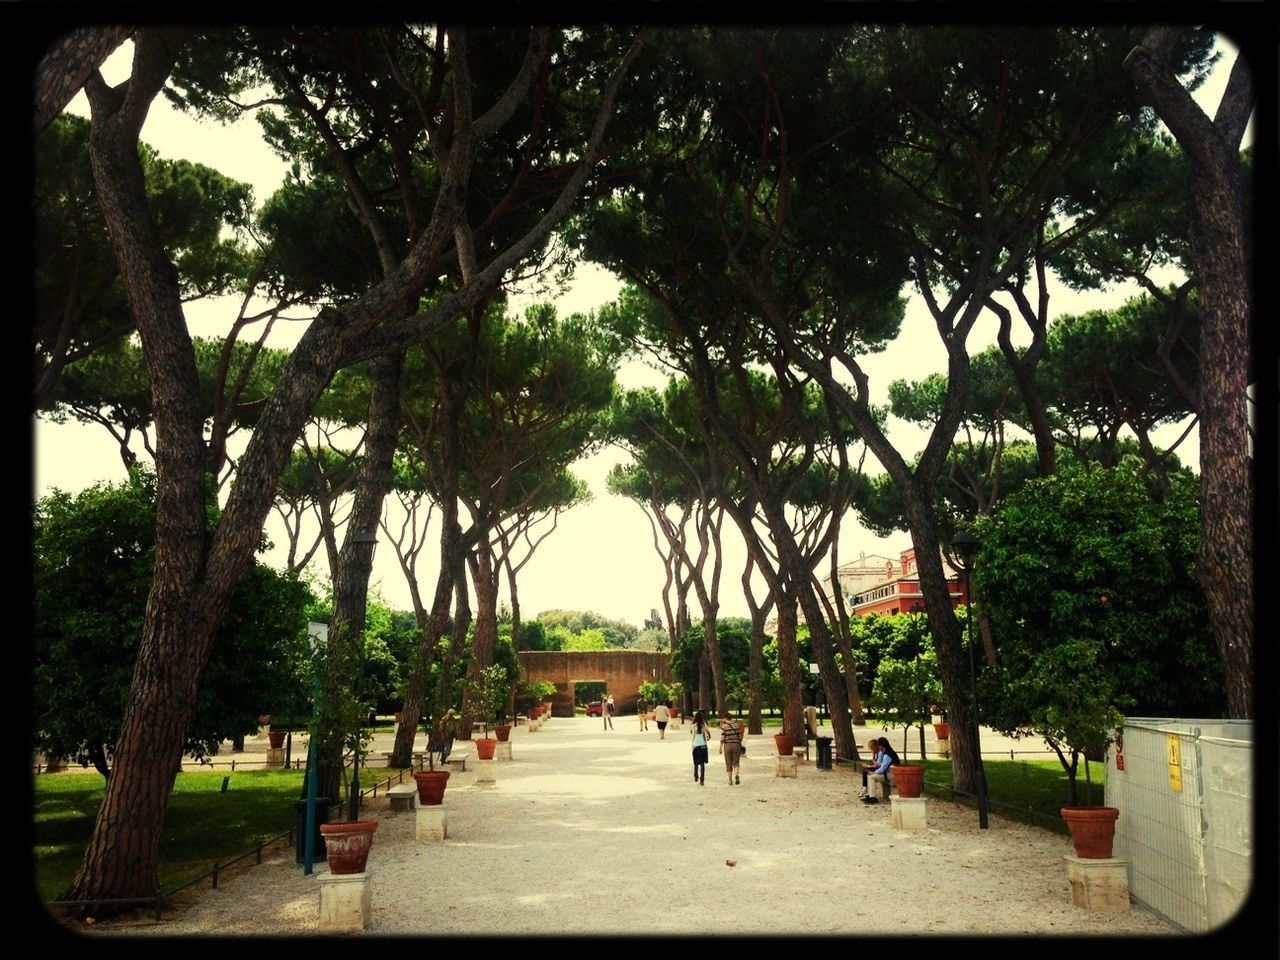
{"points": [[601, 556]]}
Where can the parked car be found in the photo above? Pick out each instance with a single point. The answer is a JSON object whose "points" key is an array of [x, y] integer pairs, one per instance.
{"points": [[595, 708]]}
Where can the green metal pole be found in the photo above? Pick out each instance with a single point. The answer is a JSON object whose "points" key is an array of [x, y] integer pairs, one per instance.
{"points": [[310, 848]]}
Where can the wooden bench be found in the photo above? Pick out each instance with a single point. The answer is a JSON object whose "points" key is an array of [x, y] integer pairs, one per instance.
{"points": [[401, 796]]}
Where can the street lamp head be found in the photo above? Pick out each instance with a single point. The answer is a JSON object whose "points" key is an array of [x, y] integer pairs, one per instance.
{"points": [[966, 544]]}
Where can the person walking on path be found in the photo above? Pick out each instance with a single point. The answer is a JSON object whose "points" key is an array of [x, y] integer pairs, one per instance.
{"points": [[642, 708], [730, 745], [661, 714], [700, 734], [606, 712], [448, 730]]}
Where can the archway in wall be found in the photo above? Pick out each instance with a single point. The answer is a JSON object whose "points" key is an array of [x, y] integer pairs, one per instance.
{"points": [[585, 691], [621, 672]]}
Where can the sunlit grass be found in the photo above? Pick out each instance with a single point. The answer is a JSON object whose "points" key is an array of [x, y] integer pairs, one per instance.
{"points": [[202, 825]]}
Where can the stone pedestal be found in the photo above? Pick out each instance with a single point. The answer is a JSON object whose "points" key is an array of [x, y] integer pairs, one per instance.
{"points": [[275, 756], [1099, 885], [535, 725], [346, 901], [908, 813], [799, 755], [486, 771], [503, 750], [786, 765], [432, 824], [262, 732], [944, 748]]}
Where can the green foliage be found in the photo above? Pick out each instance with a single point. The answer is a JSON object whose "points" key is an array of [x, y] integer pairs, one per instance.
{"points": [[655, 691], [558, 638], [651, 639], [200, 215], [94, 555], [533, 692], [576, 621], [1089, 580], [203, 824], [533, 636], [906, 679], [586, 640], [492, 693]]}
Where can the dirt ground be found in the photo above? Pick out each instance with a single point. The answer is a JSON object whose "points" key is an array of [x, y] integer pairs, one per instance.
{"points": [[588, 832]]}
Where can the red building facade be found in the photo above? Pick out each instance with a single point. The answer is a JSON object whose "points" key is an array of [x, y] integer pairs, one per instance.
{"points": [[899, 592]]}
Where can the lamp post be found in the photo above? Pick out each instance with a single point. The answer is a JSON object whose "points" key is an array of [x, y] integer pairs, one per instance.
{"points": [[317, 633], [361, 538], [966, 544], [917, 608]]}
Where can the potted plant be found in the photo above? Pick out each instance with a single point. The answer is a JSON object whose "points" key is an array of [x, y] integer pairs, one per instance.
{"points": [[338, 728], [489, 695], [431, 784], [535, 691], [910, 779], [1093, 828], [785, 742]]}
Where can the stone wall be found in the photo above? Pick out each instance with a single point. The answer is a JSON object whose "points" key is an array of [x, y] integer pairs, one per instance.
{"points": [[622, 672]]}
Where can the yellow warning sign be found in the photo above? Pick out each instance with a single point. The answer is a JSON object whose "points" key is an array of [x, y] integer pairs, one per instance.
{"points": [[1175, 761]]}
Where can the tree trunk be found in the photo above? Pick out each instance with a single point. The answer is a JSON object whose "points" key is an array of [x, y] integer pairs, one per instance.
{"points": [[120, 858], [789, 665], [457, 639], [485, 576], [756, 662], [68, 64], [705, 703], [1219, 251], [345, 650], [195, 576], [953, 663], [844, 645], [832, 684]]}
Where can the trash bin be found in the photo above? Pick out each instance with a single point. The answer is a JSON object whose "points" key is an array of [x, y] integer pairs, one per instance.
{"points": [[318, 852], [824, 753]]}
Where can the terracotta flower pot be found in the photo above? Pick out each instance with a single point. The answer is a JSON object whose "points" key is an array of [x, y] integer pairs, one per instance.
{"points": [[1093, 830], [502, 731], [276, 737], [264, 720], [347, 844], [910, 779], [485, 748], [431, 784], [786, 744], [943, 730]]}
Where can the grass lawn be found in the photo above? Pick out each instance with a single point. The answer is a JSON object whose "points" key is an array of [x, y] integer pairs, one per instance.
{"points": [[1030, 790], [202, 825]]}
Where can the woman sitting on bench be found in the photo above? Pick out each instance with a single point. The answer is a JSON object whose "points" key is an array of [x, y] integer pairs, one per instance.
{"points": [[883, 757]]}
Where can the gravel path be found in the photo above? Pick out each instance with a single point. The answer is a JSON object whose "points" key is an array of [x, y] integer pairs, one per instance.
{"points": [[588, 832]]}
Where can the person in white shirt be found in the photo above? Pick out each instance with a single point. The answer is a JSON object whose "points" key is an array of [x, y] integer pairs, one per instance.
{"points": [[661, 714]]}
